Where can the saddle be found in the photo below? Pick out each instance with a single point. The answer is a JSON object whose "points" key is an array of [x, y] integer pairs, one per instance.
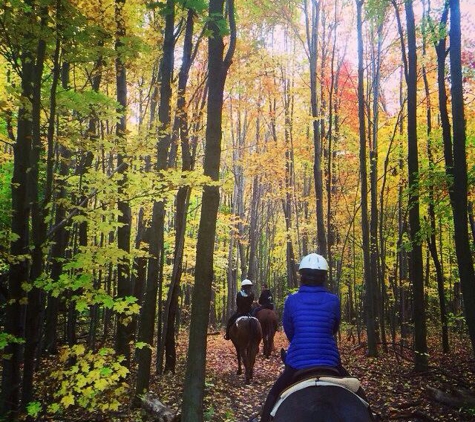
{"points": [[319, 377], [244, 317]]}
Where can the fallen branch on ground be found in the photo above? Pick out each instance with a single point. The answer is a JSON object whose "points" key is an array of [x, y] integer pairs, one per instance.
{"points": [[459, 397], [157, 410]]}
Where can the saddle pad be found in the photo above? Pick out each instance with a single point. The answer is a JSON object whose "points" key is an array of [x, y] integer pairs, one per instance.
{"points": [[244, 317], [348, 383]]}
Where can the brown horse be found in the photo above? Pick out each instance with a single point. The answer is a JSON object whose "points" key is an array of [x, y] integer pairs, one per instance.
{"points": [[246, 334], [269, 324]]}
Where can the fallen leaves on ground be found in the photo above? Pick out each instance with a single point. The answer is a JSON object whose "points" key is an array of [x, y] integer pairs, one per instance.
{"points": [[395, 392]]}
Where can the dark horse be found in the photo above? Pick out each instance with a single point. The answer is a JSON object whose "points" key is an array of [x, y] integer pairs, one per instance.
{"points": [[246, 334], [269, 324], [323, 399]]}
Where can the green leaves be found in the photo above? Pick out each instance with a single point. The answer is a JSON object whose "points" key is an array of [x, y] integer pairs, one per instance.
{"points": [[34, 408], [6, 339], [221, 24]]}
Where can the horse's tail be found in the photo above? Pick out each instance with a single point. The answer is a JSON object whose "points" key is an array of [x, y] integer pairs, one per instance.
{"points": [[269, 326], [256, 329]]}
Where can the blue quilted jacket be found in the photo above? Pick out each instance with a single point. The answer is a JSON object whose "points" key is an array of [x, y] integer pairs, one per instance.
{"points": [[311, 318]]}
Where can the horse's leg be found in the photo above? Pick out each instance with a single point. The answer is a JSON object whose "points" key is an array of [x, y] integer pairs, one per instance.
{"points": [[254, 351], [265, 340], [246, 363], [238, 354], [271, 343]]}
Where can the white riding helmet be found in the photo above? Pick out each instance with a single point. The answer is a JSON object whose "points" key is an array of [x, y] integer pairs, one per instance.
{"points": [[313, 261], [246, 282]]}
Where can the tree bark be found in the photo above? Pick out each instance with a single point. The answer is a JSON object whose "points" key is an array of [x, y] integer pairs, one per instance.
{"points": [[19, 269], [312, 22], [431, 241], [459, 189], [369, 280], [35, 307], [416, 264], [148, 312], [193, 393], [182, 201], [124, 287]]}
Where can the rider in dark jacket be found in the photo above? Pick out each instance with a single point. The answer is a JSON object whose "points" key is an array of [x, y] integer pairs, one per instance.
{"points": [[265, 300], [244, 300]]}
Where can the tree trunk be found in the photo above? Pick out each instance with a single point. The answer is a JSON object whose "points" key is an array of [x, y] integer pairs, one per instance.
{"points": [[60, 236], [124, 287], [287, 202], [431, 241], [459, 189], [369, 280], [378, 297], [148, 312], [19, 269], [182, 201], [416, 264], [312, 23], [194, 384]]}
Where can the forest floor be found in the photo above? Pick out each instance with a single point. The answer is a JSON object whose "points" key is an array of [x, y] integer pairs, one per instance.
{"points": [[394, 391]]}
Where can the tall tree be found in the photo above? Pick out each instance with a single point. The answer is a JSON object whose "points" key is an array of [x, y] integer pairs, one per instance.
{"points": [[312, 18], [431, 239], [289, 177], [19, 268], [148, 311], [368, 276], [182, 199], [416, 264], [124, 288], [35, 306], [217, 71], [459, 187]]}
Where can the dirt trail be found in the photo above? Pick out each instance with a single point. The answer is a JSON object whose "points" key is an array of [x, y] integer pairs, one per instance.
{"points": [[393, 390]]}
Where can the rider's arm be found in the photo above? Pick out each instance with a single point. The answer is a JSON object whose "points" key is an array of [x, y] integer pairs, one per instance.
{"points": [[287, 320], [238, 299], [338, 317]]}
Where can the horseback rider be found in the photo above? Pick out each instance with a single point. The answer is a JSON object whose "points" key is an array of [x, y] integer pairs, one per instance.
{"points": [[265, 300], [311, 318], [244, 300]]}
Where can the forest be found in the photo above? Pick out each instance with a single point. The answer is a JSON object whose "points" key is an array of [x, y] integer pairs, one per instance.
{"points": [[153, 154]]}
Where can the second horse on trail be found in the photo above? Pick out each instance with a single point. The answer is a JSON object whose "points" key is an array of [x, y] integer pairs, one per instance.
{"points": [[246, 334], [269, 325]]}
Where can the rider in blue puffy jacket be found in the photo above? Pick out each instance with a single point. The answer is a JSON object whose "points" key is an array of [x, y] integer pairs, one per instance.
{"points": [[311, 318]]}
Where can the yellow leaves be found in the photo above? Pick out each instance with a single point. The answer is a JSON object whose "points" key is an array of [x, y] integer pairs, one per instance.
{"points": [[67, 401], [94, 382], [26, 287], [122, 371], [101, 384], [79, 349]]}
